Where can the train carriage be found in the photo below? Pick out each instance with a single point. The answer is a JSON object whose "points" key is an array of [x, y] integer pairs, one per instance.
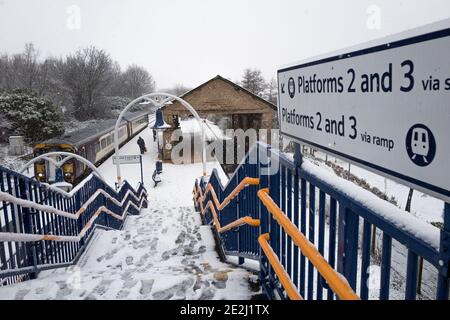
{"points": [[95, 143]]}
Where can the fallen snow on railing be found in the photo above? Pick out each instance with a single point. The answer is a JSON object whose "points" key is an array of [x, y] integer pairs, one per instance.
{"points": [[80, 186], [26, 237], [400, 218], [39, 207]]}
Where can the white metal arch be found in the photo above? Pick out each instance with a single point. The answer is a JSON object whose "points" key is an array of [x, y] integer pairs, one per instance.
{"points": [[150, 96], [68, 156]]}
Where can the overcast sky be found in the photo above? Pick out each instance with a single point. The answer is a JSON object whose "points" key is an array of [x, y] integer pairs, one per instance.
{"points": [[189, 41]]}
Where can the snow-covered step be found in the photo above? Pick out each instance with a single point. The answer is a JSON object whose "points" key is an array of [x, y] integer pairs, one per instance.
{"points": [[164, 253]]}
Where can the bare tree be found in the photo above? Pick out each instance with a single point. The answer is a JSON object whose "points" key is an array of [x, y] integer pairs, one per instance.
{"points": [[271, 93], [29, 67], [253, 81], [115, 87], [21, 71], [8, 73], [87, 74], [6, 127], [178, 90], [84, 83], [4, 66], [136, 82], [51, 83]]}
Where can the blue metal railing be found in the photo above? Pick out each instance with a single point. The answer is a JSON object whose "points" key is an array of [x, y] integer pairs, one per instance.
{"points": [[23, 260], [340, 225], [242, 241]]}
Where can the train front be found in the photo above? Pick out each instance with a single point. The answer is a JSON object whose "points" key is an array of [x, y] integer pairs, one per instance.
{"points": [[46, 171]]}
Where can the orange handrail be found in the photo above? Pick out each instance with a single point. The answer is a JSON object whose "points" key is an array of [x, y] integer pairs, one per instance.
{"points": [[245, 220], [240, 222], [283, 276], [241, 186], [336, 282]]}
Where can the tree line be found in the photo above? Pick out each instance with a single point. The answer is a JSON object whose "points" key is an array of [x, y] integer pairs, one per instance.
{"points": [[254, 81], [86, 84], [38, 94]]}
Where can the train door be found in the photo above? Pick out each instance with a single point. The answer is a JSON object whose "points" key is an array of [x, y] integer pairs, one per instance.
{"points": [[129, 129]]}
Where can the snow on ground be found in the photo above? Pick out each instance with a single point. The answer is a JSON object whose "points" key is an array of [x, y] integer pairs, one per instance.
{"points": [[164, 253], [13, 162], [212, 131], [177, 180]]}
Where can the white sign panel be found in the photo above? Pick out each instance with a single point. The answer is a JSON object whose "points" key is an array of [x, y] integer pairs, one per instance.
{"points": [[384, 106], [127, 159]]}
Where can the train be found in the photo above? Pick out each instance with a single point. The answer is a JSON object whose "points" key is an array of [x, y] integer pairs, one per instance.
{"points": [[95, 143]]}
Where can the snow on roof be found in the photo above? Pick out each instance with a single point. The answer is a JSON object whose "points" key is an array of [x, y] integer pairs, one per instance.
{"points": [[212, 131], [98, 128], [235, 85]]}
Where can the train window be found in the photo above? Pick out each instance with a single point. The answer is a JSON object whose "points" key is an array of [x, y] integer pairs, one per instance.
{"points": [[103, 143], [108, 140], [97, 147]]}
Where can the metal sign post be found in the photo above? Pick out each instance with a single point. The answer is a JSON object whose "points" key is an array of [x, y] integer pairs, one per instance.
{"points": [[142, 171], [130, 159]]}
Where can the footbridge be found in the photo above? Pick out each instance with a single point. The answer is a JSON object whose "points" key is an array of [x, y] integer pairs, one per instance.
{"points": [[284, 228]]}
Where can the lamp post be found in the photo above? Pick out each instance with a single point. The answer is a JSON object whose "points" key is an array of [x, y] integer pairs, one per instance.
{"points": [[150, 96], [160, 125]]}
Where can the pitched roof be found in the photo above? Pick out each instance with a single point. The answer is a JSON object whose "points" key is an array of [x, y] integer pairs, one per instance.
{"points": [[236, 86]]}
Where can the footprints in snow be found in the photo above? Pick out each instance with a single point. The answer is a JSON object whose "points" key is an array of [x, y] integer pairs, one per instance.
{"points": [[129, 269]]}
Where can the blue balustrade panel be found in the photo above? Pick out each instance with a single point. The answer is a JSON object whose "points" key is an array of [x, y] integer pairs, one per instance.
{"points": [[21, 261], [341, 228]]}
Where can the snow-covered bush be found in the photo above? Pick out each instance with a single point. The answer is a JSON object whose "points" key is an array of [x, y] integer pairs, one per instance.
{"points": [[5, 127], [27, 114]]}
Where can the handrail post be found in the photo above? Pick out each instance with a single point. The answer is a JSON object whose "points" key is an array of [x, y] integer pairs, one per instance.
{"points": [[264, 227], [80, 218], [241, 260], [105, 203], [444, 258], [274, 228], [298, 157], [28, 228]]}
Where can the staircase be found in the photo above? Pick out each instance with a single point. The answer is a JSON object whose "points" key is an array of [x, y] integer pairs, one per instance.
{"points": [[163, 253]]}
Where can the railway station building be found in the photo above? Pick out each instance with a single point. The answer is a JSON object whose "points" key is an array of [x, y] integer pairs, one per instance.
{"points": [[226, 105]]}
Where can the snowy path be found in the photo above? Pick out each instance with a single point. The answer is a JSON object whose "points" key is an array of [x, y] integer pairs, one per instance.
{"points": [[164, 253]]}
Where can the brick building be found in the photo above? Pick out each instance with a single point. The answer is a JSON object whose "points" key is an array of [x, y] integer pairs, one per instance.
{"points": [[223, 102]]}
